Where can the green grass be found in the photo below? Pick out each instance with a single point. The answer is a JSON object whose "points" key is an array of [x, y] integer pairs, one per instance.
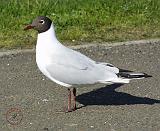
{"points": [[80, 20]]}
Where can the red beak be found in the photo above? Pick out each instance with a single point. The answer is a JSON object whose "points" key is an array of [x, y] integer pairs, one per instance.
{"points": [[28, 27]]}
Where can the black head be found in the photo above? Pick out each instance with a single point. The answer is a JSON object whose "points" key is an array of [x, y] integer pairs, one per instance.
{"points": [[41, 24]]}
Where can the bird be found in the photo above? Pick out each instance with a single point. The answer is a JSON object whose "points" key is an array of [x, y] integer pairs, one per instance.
{"points": [[70, 68]]}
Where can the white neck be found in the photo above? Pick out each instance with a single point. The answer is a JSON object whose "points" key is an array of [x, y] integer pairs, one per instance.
{"points": [[47, 40], [47, 43], [48, 35]]}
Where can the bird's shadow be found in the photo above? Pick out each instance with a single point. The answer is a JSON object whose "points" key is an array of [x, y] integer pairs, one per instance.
{"points": [[109, 96]]}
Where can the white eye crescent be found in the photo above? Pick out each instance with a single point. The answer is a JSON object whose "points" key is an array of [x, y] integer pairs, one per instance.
{"points": [[41, 21]]}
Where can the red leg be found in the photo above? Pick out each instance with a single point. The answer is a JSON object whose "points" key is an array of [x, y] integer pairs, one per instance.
{"points": [[74, 99], [69, 100]]}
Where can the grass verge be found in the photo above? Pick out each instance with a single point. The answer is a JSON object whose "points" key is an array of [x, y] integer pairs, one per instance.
{"points": [[80, 20]]}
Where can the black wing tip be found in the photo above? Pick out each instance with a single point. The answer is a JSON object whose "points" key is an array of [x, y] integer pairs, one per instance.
{"points": [[130, 76], [146, 75], [124, 70]]}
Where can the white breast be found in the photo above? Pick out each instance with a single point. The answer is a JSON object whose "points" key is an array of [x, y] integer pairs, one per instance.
{"points": [[47, 46]]}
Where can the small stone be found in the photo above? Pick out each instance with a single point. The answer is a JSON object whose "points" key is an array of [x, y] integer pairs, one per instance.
{"points": [[45, 129], [71, 124], [45, 100]]}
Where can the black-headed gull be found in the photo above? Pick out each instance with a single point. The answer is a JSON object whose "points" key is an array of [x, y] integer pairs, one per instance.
{"points": [[70, 68]]}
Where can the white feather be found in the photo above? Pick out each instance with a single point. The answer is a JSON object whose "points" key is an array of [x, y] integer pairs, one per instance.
{"points": [[68, 67]]}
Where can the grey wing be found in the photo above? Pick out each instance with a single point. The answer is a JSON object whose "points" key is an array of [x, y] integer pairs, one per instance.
{"points": [[72, 74], [76, 68]]}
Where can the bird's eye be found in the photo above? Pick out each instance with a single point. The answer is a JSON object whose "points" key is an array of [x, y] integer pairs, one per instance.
{"points": [[41, 21]]}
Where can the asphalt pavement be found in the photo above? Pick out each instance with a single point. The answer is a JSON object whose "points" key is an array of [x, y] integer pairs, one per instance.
{"points": [[31, 102]]}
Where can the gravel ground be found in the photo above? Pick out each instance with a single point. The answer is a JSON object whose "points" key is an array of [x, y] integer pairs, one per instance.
{"points": [[40, 102]]}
